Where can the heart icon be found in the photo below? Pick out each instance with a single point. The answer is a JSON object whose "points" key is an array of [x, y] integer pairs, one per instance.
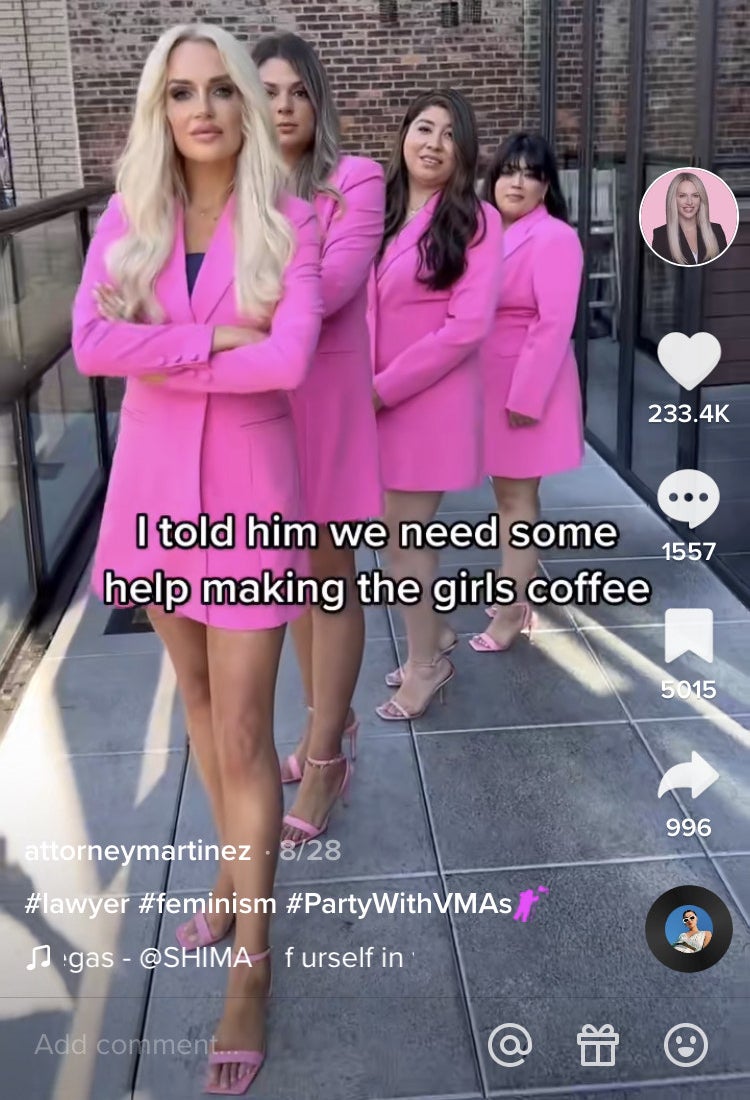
{"points": [[689, 359]]}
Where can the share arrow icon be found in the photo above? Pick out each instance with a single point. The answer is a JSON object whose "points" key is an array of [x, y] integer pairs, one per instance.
{"points": [[697, 774]]}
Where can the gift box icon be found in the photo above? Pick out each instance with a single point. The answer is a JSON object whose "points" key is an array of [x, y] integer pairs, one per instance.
{"points": [[598, 1045]]}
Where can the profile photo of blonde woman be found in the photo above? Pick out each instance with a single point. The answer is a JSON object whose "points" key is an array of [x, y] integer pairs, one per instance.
{"points": [[689, 236]]}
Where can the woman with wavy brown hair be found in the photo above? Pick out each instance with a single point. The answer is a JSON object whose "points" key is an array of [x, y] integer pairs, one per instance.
{"points": [[433, 299]]}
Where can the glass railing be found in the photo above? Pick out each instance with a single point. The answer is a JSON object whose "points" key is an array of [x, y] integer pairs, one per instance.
{"points": [[56, 426]]}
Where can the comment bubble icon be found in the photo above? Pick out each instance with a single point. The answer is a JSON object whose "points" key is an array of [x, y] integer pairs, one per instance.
{"points": [[688, 496]]}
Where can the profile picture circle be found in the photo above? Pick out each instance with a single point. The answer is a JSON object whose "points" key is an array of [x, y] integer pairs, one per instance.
{"points": [[689, 217], [689, 929]]}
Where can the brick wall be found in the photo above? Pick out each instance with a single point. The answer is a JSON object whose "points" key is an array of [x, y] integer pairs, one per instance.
{"points": [[38, 88], [98, 47], [671, 54], [732, 103], [374, 68]]}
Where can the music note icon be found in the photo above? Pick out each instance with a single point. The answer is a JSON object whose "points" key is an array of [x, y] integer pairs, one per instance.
{"points": [[44, 962]]}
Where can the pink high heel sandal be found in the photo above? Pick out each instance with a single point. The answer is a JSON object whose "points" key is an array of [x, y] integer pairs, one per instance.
{"points": [[253, 1059], [396, 678], [393, 711], [483, 643], [291, 763], [312, 831], [205, 936]]}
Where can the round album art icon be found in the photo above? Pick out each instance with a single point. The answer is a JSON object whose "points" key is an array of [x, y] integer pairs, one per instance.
{"points": [[689, 217], [689, 929]]}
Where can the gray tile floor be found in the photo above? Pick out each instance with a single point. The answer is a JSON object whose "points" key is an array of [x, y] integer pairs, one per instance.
{"points": [[541, 769]]}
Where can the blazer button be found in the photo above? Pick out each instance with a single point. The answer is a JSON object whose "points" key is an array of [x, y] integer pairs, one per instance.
{"points": [[161, 361], [177, 359], [194, 358]]}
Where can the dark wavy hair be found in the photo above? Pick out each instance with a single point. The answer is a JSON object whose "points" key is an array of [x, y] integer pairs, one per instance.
{"points": [[538, 158], [311, 174], [458, 215]]}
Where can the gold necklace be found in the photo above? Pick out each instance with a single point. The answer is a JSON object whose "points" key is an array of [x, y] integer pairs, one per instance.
{"points": [[208, 212], [413, 211]]}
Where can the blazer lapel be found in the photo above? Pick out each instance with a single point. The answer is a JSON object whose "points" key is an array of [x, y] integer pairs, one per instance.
{"points": [[520, 231], [687, 251], [171, 283], [408, 236], [217, 270]]}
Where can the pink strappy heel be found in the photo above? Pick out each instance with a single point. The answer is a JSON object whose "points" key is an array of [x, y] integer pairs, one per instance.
{"points": [[205, 936], [396, 678], [291, 763], [393, 711], [483, 643], [312, 831], [252, 1059]]}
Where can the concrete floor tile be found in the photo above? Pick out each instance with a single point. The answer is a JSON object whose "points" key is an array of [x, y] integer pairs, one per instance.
{"points": [[100, 705], [85, 800], [362, 839], [67, 1031], [582, 959], [673, 584], [291, 716], [724, 743], [343, 1033], [634, 662], [498, 798], [549, 681]]}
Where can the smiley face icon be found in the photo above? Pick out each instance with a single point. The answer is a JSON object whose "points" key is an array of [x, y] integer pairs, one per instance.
{"points": [[686, 1045]]}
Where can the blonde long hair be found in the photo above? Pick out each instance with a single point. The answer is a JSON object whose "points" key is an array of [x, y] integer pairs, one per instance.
{"points": [[150, 181], [704, 221]]}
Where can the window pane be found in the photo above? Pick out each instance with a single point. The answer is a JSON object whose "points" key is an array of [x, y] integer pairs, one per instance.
{"points": [[15, 582], [64, 434]]}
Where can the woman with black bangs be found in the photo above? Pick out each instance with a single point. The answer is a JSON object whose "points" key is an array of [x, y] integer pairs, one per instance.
{"points": [[433, 301], [532, 402]]}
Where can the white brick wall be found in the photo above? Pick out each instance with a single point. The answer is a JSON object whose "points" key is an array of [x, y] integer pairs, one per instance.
{"points": [[35, 69]]}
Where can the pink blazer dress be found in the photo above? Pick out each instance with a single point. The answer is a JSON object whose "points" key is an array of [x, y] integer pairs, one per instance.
{"points": [[333, 411], [216, 436], [426, 359], [528, 361]]}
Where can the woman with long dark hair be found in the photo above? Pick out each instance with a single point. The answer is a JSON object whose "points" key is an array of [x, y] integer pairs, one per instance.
{"points": [[433, 300], [532, 404], [333, 413]]}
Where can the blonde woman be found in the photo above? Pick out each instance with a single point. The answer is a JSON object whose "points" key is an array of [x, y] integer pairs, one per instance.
{"points": [[689, 237], [202, 288]]}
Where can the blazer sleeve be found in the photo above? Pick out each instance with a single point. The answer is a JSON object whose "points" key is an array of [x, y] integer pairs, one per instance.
{"points": [[124, 348], [660, 242], [282, 359], [556, 279], [353, 236], [468, 321]]}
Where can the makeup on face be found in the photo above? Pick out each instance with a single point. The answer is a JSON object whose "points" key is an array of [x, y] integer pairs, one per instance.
{"points": [[204, 108], [291, 108]]}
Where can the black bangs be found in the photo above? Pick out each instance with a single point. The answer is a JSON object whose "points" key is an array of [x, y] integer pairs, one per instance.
{"points": [[538, 158], [532, 152], [514, 164]]}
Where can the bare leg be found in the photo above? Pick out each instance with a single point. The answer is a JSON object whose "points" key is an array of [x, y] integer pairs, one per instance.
{"points": [[185, 642], [424, 668], [243, 666], [313, 641], [517, 502], [337, 644]]}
